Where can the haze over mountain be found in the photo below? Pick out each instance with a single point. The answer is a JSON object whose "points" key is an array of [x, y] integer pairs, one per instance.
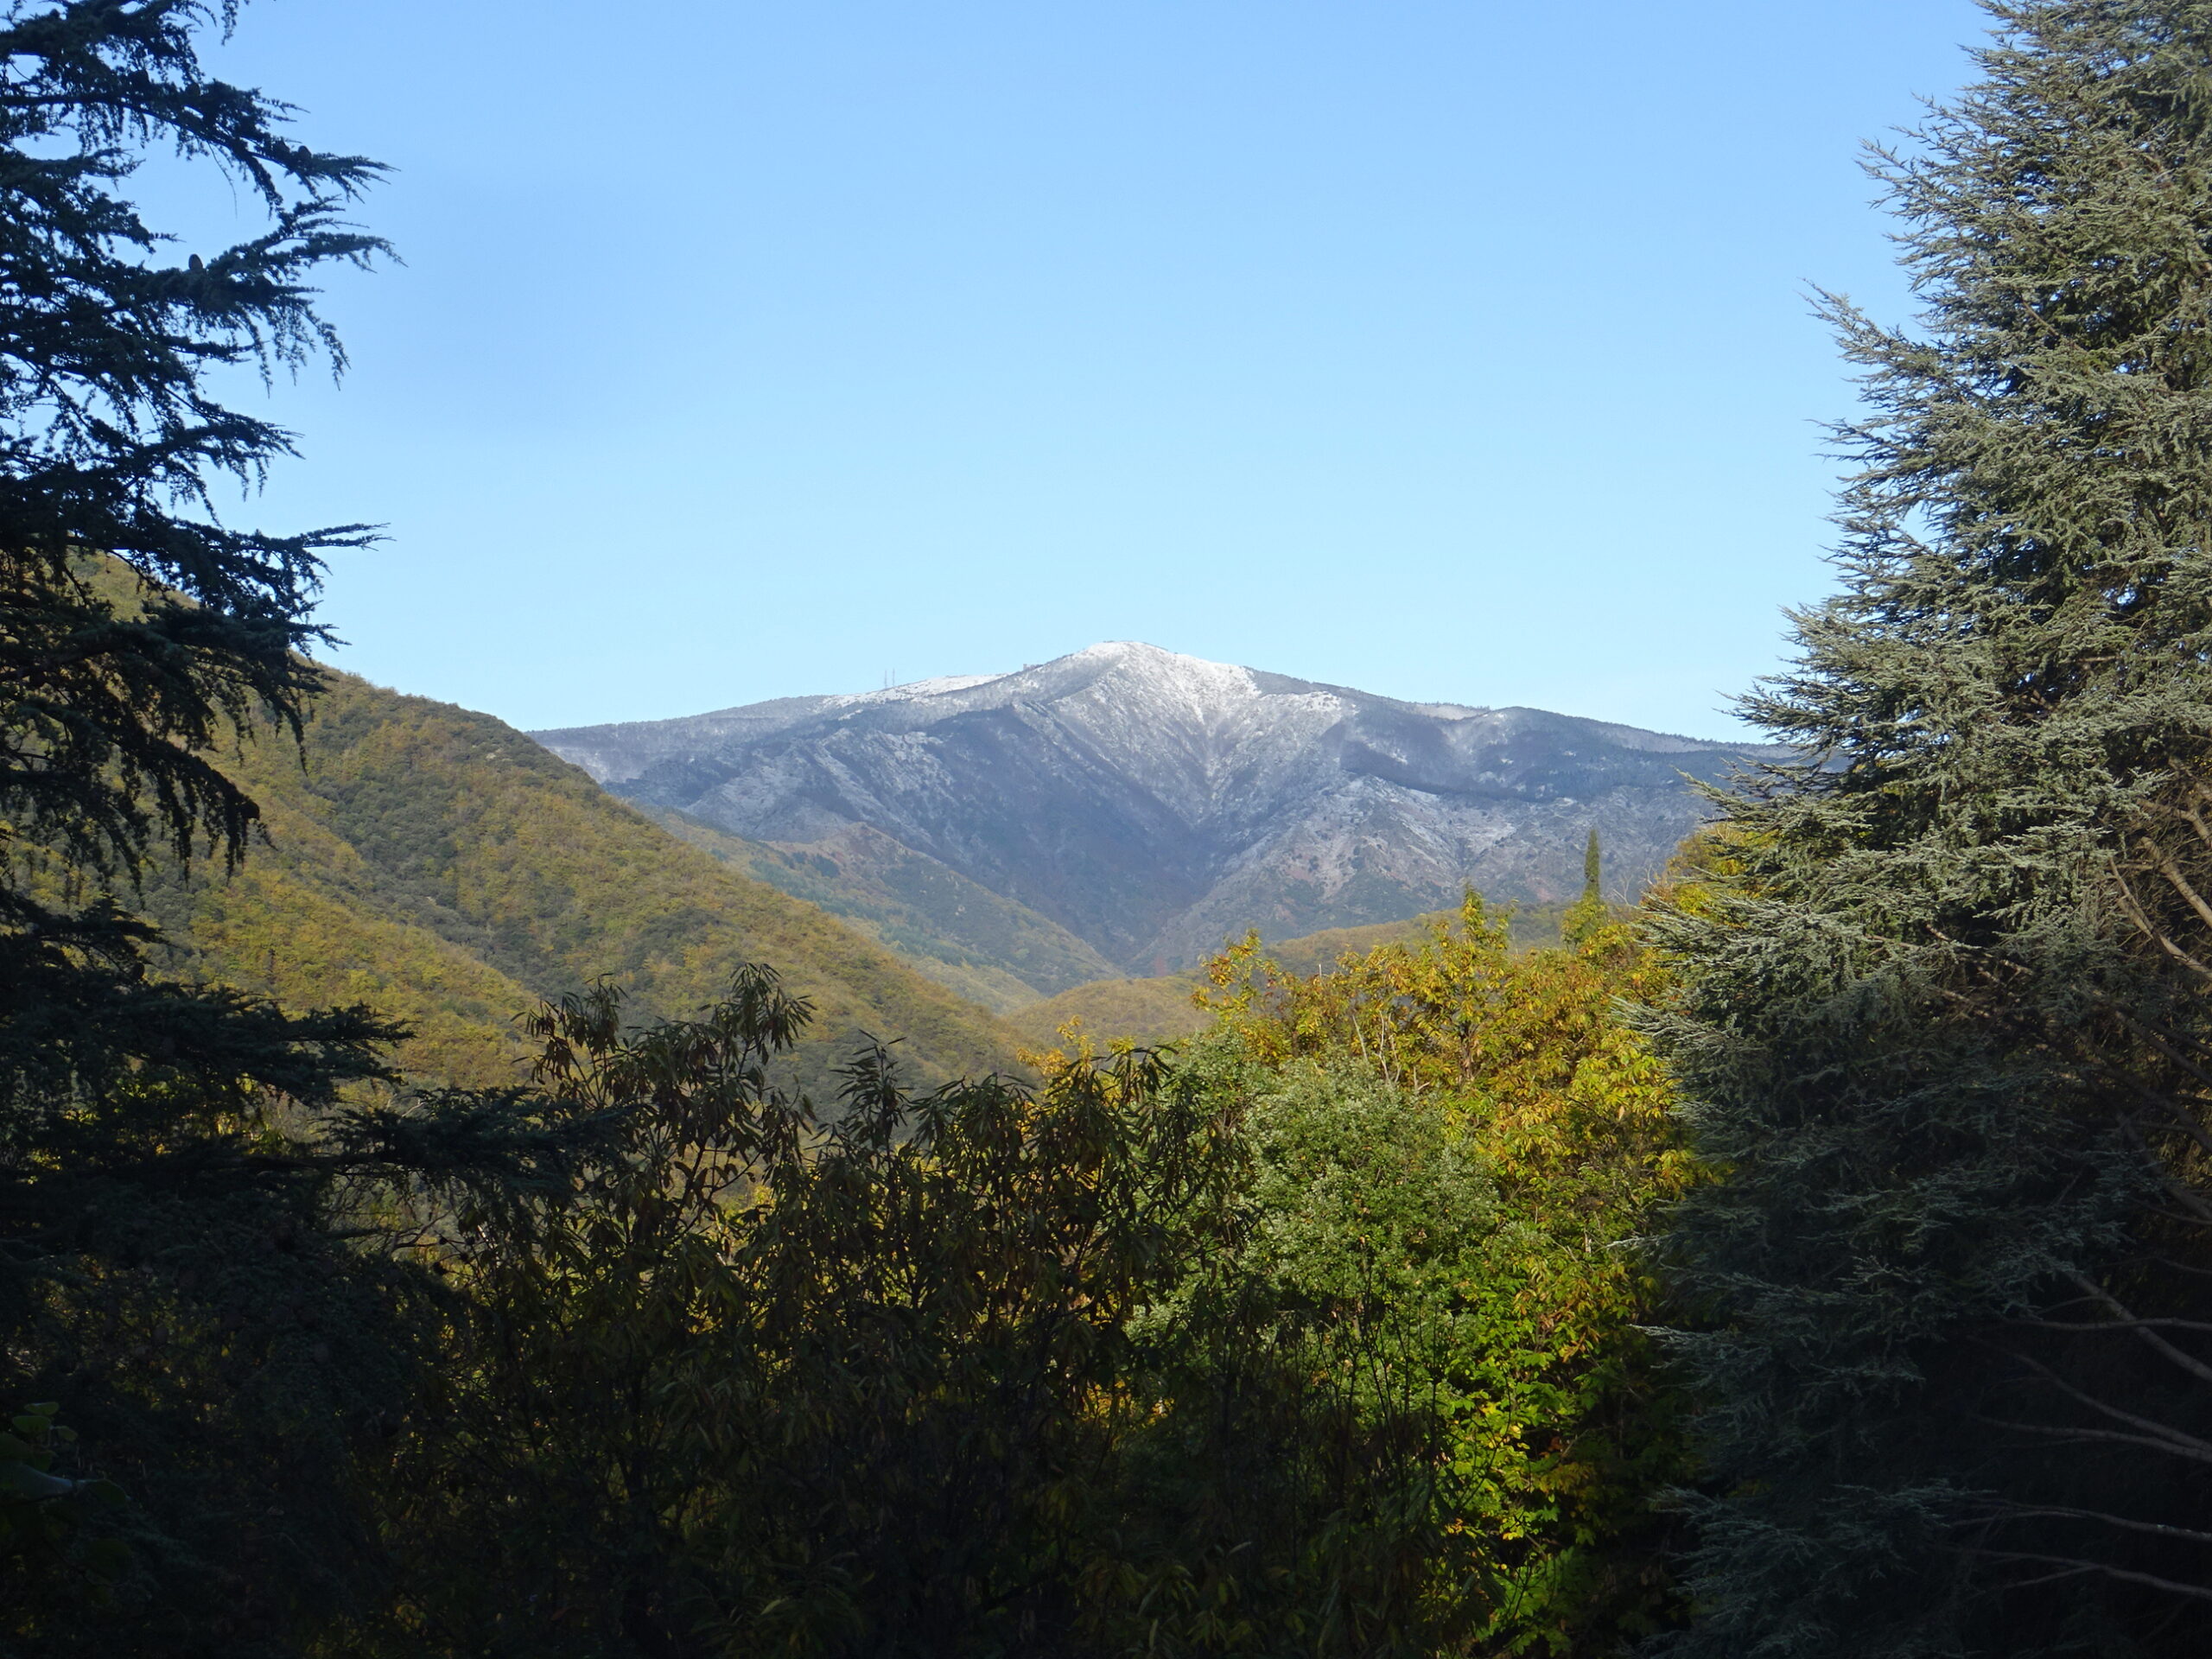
{"points": [[1151, 803]]}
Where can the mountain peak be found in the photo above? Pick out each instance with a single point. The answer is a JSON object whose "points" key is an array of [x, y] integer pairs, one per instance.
{"points": [[1143, 658], [1151, 802]]}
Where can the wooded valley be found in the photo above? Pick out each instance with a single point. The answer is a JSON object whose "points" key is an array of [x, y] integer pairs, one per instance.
{"points": [[446, 1209]]}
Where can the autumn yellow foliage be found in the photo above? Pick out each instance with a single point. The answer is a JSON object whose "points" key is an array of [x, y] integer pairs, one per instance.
{"points": [[1531, 1145]]}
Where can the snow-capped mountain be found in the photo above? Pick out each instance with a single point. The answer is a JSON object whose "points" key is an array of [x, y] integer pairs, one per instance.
{"points": [[1153, 804]]}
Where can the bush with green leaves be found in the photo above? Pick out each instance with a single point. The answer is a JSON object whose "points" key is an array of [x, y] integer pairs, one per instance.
{"points": [[1418, 1395]]}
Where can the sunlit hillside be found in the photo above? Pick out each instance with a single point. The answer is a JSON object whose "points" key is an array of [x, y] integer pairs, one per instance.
{"points": [[437, 865]]}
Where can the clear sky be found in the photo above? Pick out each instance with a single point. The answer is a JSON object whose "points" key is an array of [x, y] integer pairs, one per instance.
{"points": [[1451, 349]]}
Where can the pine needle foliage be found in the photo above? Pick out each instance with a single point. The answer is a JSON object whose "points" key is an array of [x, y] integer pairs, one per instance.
{"points": [[111, 440], [188, 1270], [1943, 1017]]}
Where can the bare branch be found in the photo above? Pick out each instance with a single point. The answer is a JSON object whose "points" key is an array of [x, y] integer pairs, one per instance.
{"points": [[2009, 1513], [2141, 917], [2179, 882], [2167, 1438], [2083, 1326], [2077, 1436], [2127, 1321], [2074, 1565]]}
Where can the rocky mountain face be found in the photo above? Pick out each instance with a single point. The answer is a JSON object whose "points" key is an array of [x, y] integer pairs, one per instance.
{"points": [[1152, 804]]}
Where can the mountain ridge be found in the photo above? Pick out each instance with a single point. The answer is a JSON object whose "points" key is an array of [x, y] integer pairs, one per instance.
{"points": [[1153, 803]]}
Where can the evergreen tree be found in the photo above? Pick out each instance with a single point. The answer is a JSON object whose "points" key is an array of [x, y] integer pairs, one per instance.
{"points": [[119, 673], [1587, 916], [171, 1279], [1944, 1023]]}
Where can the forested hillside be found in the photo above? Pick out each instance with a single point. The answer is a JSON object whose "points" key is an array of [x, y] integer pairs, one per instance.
{"points": [[991, 949], [1812, 1262], [438, 866], [1164, 1006]]}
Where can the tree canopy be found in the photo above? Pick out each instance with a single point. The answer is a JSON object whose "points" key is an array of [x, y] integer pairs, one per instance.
{"points": [[1942, 1020], [177, 1188]]}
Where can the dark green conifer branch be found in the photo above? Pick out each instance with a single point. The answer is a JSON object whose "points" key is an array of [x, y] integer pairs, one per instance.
{"points": [[187, 1223], [1587, 914], [135, 626], [1947, 1028]]}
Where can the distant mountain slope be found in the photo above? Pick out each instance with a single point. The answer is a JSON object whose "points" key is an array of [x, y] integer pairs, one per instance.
{"points": [[439, 865], [990, 950], [1159, 1009], [1152, 804]]}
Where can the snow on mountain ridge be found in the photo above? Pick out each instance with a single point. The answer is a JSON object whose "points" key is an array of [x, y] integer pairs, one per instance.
{"points": [[1150, 801], [910, 692]]}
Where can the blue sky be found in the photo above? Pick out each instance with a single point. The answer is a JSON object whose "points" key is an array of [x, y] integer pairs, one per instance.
{"points": [[1450, 349]]}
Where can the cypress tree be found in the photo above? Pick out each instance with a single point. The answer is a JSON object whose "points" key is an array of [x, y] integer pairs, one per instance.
{"points": [[1942, 1025], [1587, 915]]}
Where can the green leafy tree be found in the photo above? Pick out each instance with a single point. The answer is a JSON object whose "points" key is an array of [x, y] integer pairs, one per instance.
{"points": [[1944, 1019], [761, 1382], [1307, 1477], [1453, 1146]]}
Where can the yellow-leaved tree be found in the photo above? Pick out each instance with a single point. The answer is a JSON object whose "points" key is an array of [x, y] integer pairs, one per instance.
{"points": [[1455, 1151]]}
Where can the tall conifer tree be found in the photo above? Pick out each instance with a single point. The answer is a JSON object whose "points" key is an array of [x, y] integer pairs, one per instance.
{"points": [[1587, 916], [1944, 1026], [170, 1277]]}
